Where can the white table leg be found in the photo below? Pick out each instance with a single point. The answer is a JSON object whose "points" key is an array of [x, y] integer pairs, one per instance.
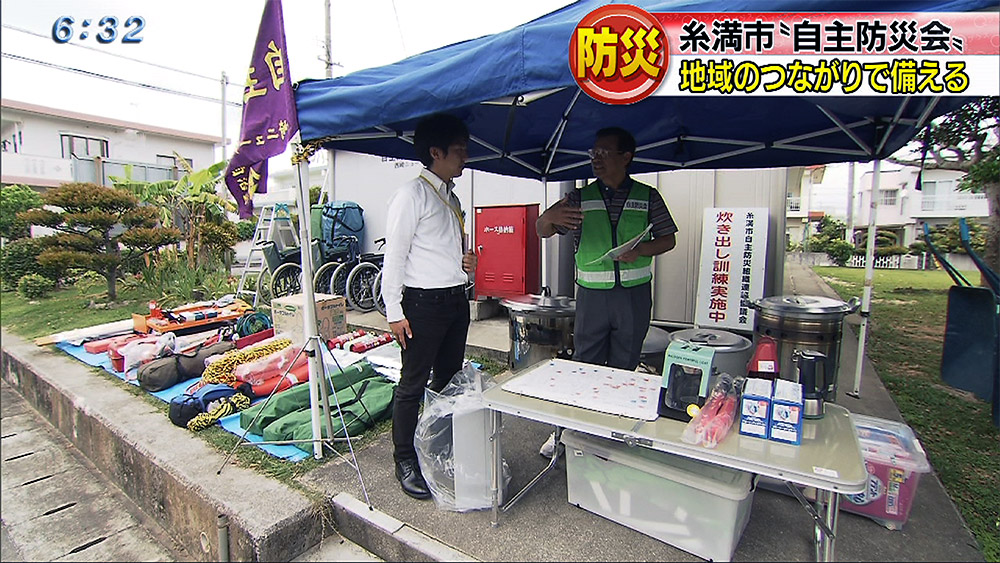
{"points": [[495, 424], [828, 506], [832, 513]]}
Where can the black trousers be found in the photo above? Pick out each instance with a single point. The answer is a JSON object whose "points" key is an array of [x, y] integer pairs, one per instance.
{"points": [[439, 321]]}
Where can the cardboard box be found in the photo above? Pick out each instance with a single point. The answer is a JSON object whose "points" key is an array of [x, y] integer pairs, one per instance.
{"points": [[755, 408], [786, 412], [687, 379], [331, 316]]}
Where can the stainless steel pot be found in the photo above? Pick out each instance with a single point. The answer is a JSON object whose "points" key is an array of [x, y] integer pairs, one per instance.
{"points": [[654, 349], [541, 328], [804, 322], [732, 351]]}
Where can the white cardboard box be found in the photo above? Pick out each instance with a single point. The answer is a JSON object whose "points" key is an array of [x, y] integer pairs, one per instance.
{"points": [[331, 316], [695, 506], [755, 407], [786, 412]]}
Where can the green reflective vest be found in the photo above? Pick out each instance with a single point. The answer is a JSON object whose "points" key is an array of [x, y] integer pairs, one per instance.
{"points": [[596, 239]]}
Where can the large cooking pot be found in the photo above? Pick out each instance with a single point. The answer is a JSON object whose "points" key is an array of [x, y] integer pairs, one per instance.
{"points": [[541, 328], [804, 322], [732, 351]]}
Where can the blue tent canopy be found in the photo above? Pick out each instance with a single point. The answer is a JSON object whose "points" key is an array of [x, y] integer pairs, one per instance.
{"points": [[528, 118]]}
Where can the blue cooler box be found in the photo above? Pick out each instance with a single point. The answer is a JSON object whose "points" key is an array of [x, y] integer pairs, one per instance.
{"points": [[698, 507]]}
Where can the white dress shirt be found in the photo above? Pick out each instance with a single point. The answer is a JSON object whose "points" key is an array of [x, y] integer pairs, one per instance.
{"points": [[423, 241]]}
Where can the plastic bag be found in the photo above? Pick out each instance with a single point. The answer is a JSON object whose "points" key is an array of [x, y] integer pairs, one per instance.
{"points": [[144, 350], [258, 371], [457, 415], [712, 423]]}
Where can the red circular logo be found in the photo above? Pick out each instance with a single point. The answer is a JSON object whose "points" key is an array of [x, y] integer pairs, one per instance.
{"points": [[618, 54]]}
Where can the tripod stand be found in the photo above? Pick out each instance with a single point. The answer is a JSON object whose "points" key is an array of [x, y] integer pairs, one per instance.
{"points": [[324, 397]]}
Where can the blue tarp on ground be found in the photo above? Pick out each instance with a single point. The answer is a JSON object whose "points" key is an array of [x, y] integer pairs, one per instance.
{"points": [[375, 110], [230, 423]]}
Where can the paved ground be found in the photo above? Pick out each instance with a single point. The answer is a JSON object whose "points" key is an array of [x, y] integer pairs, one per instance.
{"points": [[58, 507], [543, 526]]}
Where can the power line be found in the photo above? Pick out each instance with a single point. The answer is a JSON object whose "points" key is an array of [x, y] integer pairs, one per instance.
{"points": [[117, 80], [103, 51], [395, 12]]}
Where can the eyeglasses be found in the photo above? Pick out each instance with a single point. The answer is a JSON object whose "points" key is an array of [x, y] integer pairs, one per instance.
{"points": [[601, 153]]}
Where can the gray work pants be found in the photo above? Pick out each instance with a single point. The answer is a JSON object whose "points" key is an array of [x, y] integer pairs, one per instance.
{"points": [[611, 324]]}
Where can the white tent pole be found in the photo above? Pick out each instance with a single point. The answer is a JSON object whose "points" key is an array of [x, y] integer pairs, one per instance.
{"points": [[544, 255], [866, 299], [329, 187], [849, 232], [310, 330]]}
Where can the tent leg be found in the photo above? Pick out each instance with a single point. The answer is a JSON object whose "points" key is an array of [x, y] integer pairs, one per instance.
{"points": [[866, 300], [246, 431], [308, 298], [544, 254]]}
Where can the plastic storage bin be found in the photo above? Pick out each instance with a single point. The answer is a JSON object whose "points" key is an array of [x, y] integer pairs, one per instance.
{"points": [[697, 507], [894, 460]]}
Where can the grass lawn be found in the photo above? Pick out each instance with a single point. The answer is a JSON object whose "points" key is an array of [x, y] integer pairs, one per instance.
{"points": [[906, 336], [61, 310]]}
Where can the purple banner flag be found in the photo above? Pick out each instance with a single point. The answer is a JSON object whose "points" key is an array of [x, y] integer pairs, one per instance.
{"points": [[269, 118]]}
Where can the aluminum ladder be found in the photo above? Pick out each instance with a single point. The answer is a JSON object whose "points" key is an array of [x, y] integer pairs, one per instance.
{"points": [[273, 224]]}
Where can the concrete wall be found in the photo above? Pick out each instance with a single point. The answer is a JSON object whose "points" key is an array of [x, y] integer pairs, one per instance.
{"points": [[687, 193], [370, 180], [170, 473], [809, 258]]}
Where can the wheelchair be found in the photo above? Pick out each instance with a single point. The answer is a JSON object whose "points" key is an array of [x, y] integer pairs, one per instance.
{"points": [[283, 275]]}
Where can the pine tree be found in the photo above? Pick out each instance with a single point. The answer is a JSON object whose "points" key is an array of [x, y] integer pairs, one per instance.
{"points": [[100, 229]]}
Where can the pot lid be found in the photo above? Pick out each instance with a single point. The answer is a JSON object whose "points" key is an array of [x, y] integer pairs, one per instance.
{"points": [[719, 339], [804, 304], [656, 340], [541, 304]]}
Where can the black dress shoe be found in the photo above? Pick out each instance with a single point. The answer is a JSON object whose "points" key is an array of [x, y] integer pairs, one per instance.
{"points": [[408, 473]]}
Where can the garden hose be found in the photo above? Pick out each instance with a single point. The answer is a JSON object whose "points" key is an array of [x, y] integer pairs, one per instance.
{"points": [[252, 323]]}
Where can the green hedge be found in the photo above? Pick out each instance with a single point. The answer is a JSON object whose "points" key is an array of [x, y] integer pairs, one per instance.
{"points": [[33, 286], [20, 258]]}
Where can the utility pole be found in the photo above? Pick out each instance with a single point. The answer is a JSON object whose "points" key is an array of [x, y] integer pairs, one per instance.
{"points": [[225, 82], [328, 45]]}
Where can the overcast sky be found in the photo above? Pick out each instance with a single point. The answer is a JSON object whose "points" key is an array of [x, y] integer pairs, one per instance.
{"points": [[204, 38]]}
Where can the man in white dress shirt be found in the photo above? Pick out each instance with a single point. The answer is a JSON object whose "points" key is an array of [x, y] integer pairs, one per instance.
{"points": [[424, 276]]}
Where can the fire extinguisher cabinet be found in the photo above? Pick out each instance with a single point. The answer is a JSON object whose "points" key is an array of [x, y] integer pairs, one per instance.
{"points": [[509, 251]]}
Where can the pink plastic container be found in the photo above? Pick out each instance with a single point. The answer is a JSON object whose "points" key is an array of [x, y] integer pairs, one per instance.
{"points": [[894, 460]]}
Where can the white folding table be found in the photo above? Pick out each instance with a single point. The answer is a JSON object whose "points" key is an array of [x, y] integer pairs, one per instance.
{"points": [[829, 457]]}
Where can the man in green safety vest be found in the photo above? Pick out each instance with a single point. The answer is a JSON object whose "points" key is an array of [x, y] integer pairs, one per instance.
{"points": [[614, 297]]}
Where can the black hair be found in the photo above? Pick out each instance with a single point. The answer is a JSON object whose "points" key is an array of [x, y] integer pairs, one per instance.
{"points": [[439, 130], [626, 142]]}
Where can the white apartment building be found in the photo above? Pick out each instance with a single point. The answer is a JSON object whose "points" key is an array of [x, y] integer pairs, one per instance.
{"points": [[901, 208], [44, 147]]}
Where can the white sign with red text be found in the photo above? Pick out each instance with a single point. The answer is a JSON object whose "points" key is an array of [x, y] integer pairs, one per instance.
{"points": [[733, 253]]}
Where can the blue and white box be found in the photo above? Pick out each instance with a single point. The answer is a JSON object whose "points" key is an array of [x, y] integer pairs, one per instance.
{"points": [[786, 412], [755, 407]]}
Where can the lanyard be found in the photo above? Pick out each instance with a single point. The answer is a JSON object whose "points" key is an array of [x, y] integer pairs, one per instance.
{"points": [[454, 211]]}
